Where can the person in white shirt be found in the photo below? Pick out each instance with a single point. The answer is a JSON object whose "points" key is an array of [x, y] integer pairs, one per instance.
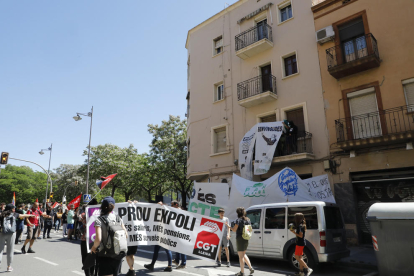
{"points": [[225, 239]]}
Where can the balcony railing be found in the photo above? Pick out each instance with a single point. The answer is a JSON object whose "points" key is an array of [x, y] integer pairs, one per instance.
{"points": [[253, 35], [356, 55], [384, 123], [294, 144], [256, 86]]}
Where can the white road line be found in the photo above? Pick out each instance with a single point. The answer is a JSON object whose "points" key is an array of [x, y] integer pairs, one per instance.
{"points": [[79, 273], [174, 270], [46, 261], [18, 251]]}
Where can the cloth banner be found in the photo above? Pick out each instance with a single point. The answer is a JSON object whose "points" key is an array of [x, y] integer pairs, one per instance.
{"points": [[267, 137], [174, 229], [284, 186], [246, 153], [207, 198], [75, 202]]}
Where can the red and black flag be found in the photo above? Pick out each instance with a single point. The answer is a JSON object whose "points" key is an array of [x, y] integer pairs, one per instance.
{"points": [[105, 180]]}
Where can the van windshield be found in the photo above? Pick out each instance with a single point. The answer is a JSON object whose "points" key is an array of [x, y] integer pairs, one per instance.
{"points": [[333, 218]]}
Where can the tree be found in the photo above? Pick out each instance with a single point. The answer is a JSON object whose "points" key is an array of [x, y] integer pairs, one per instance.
{"points": [[169, 148]]}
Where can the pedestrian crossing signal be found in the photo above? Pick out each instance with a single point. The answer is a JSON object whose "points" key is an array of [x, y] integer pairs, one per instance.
{"points": [[4, 158]]}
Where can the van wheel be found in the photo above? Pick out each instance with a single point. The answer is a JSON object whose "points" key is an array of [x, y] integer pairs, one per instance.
{"points": [[307, 258]]}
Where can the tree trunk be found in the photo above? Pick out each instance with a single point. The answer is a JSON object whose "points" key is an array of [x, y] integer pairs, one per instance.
{"points": [[183, 199], [149, 195], [113, 190]]}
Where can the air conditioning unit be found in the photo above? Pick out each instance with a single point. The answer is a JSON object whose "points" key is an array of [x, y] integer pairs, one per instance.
{"points": [[325, 35]]}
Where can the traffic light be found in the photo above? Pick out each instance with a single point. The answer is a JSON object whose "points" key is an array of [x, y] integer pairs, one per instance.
{"points": [[51, 194], [4, 158]]}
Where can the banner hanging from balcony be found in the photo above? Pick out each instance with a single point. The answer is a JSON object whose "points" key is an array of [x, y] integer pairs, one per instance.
{"points": [[265, 136], [284, 186]]}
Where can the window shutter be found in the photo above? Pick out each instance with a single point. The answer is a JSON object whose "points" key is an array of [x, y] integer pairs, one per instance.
{"points": [[219, 43], [364, 125], [363, 104], [270, 118], [220, 140], [409, 94]]}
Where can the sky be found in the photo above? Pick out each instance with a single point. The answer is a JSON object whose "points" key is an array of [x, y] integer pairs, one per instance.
{"points": [[125, 58]]}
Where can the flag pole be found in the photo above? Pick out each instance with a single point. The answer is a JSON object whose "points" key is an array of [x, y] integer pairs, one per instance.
{"points": [[95, 195]]}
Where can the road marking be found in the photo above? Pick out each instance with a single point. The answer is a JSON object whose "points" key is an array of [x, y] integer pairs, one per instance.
{"points": [[282, 271], [79, 273], [218, 272], [140, 263], [46, 261]]}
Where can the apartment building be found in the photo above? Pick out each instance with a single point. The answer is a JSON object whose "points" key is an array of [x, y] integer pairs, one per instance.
{"points": [[367, 68], [255, 61]]}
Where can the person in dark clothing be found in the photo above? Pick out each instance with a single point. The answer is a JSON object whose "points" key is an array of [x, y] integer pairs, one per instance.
{"points": [[82, 218], [300, 231], [48, 223], [292, 138], [64, 223], [19, 224]]}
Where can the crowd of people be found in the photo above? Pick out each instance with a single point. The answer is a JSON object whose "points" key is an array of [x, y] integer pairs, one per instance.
{"points": [[101, 261]]}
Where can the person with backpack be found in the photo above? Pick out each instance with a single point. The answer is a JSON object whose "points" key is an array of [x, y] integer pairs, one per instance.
{"points": [[243, 229], [8, 232], [19, 224], [110, 243], [299, 232]]}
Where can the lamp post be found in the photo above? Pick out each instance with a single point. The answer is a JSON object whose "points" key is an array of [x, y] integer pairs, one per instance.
{"points": [[78, 118], [48, 170]]}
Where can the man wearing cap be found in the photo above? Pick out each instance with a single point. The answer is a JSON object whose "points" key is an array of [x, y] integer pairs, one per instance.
{"points": [[33, 226], [8, 232]]}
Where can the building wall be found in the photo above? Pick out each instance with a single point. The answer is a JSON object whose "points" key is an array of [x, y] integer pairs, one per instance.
{"points": [[298, 35]]}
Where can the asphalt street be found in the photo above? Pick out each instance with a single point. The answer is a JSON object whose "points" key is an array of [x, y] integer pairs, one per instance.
{"points": [[59, 257]]}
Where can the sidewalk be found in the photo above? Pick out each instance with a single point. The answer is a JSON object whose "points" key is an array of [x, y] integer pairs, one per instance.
{"points": [[363, 257]]}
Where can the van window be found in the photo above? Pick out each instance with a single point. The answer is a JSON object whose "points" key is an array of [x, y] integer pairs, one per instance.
{"points": [[275, 218], [310, 213], [254, 216], [333, 218]]}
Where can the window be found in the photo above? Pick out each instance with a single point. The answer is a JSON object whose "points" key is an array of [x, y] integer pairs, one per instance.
{"points": [[409, 94], [188, 105], [218, 45], [296, 116], [285, 13], [275, 218], [310, 213], [333, 218], [220, 140], [269, 118], [218, 92], [291, 66], [254, 216], [352, 37], [188, 68]]}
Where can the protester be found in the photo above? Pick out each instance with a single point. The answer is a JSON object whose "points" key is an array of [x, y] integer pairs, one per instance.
{"points": [[84, 252], [64, 223], [76, 223], [106, 265], [70, 221], [2, 206], [58, 219], [132, 250], [41, 222], [48, 223], [179, 256], [19, 224], [157, 249], [242, 244], [300, 225], [32, 226], [225, 239], [8, 232]]}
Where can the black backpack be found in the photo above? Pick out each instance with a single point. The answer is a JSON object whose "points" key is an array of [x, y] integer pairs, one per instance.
{"points": [[115, 245]]}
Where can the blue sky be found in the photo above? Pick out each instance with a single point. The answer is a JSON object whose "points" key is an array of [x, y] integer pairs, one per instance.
{"points": [[126, 58]]}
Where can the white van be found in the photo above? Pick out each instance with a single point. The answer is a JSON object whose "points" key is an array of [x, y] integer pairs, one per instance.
{"points": [[325, 235]]}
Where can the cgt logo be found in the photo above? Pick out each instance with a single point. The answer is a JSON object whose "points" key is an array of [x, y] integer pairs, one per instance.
{"points": [[206, 246], [207, 242], [213, 226]]}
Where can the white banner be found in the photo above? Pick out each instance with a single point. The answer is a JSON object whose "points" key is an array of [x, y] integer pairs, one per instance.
{"points": [[246, 153], [174, 229], [267, 137], [208, 198], [284, 186]]}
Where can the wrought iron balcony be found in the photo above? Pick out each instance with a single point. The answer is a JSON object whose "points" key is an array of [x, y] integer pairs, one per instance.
{"points": [[354, 56], [257, 90], [254, 41], [294, 148], [390, 126]]}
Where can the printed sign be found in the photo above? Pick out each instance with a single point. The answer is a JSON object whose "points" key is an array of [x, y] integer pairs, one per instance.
{"points": [[87, 198], [246, 153], [174, 229], [208, 198]]}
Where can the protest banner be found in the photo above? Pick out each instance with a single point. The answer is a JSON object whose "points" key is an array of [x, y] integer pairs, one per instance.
{"points": [[246, 153], [75, 202], [174, 229], [267, 137], [208, 198]]}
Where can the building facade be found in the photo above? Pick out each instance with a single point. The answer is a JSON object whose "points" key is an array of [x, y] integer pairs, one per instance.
{"points": [[255, 61], [367, 70]]}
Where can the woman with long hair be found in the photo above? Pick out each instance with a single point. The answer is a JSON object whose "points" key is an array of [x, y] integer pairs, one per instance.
{"points": [[242, 244], [300, 225]]}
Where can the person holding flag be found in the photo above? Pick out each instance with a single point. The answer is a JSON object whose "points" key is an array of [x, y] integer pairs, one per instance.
{"points": [[14, 199]]}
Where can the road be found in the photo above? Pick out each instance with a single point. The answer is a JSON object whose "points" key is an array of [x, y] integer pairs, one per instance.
{"points": [[58, 257]]}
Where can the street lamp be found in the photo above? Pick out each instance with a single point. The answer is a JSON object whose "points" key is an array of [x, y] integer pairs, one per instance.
{"points": [[78, 118], [48, 170]]}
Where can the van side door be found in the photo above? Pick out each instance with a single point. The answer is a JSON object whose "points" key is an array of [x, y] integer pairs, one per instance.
{"points": [[256, 242], [275, 231]]}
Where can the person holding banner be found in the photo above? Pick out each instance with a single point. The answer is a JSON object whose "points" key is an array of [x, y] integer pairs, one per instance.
{"points": [[242, 244], [225, 239], [84, 252]]}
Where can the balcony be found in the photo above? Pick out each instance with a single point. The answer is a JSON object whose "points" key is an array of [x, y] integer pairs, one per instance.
{"points": [[257, 90], [354, 56], [294, 149], [385, 127], [254, 41]]}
